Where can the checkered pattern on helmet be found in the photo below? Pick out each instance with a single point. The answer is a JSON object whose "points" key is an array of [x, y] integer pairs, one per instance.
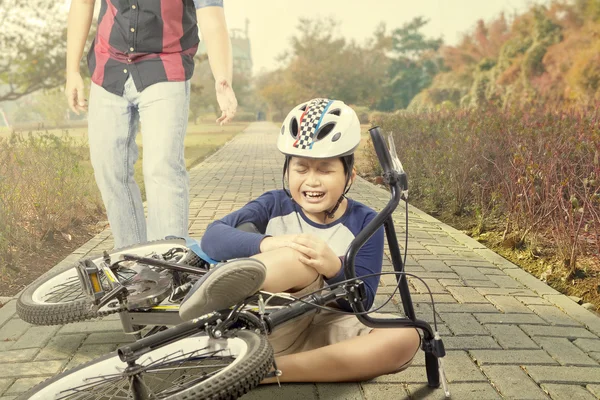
{"points": [[310, 123]]}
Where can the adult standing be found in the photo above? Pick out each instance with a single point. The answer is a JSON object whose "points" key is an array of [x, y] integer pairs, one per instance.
{"points": [[141, 62]]}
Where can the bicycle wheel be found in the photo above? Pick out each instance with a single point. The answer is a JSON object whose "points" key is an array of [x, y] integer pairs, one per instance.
{"points": [[57, 296], [193, 367]]}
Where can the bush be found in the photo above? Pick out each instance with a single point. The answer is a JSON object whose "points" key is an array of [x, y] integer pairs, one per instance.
{"points": [[536, 168], [46, 186]]}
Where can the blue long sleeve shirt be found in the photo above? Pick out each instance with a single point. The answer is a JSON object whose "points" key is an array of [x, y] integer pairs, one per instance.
{"points": [[274, 213]]}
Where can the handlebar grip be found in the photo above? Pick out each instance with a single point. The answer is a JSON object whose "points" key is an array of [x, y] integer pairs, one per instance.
{"points": [[381, 149]]}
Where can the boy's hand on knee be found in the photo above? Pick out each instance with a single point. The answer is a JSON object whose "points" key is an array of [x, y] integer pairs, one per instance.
{"points": [[316, 253], [271, 243]]}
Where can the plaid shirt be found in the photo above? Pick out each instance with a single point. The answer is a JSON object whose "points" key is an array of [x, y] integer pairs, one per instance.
{"points": [[153, 40]]}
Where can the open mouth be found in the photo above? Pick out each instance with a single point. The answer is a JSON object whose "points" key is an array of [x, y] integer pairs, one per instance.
{"points": [[313, 195]]}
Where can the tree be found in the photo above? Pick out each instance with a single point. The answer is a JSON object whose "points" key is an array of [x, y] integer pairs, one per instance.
{"points": [[415, 62], [321, 63], [32, 44]]}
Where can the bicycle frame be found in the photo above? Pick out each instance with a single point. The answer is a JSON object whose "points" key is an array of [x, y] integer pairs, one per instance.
{"points": [[432, 344]]}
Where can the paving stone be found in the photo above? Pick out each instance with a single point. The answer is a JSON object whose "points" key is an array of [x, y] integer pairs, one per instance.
{"points": [[7, 311], [505, 282], [511, 337], [530, 281], [31, 369], [476, 284], [501, 318], [294, 391], [464, 324], [589, 319], [595, 389], [495, 259], [588, 345], [437, 298], [478, 263], [508, 304], [342, 391], [576, 375], [461, 368], [89, 352], [5, 384], [557, 331], [36, 336], [435, 266], [91, 327], [553, 315], [470, 342], [13, 330], [433, 284], [109, 337], [438, 275], [389, 307], [23, 385], [516, 357], [466, 295], [513, 383], [451, 282], [533, 300], [461, 391], [506, 292], [567, 392], [595, 356], [61, 347], [413, 374], [378, 391], [470, 273], [564, 351], [20, 355]]}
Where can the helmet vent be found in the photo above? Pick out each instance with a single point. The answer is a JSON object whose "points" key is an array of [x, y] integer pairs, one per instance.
{"points": [[282, 129], [294, 128], [303, 108], [325, 130], [337, 112], [336, 137]]}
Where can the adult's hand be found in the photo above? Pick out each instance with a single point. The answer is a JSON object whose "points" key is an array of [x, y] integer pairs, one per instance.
{"points": [[74, 90], [227, 101]]}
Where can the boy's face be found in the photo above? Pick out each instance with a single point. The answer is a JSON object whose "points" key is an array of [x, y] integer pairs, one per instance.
{"points": [[316, 184]]}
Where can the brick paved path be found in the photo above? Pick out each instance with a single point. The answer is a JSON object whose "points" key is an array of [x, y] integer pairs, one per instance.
{"points": [[508, 335]]}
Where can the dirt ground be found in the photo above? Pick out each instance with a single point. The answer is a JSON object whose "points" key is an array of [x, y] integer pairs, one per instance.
{"points": [[35, 262]]}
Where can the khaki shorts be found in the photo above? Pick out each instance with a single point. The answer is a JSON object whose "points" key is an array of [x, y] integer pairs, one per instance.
{"points": [[316, 330]]}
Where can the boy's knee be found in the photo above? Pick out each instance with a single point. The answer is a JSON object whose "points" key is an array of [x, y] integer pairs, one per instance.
{"points": [[398, 347]]}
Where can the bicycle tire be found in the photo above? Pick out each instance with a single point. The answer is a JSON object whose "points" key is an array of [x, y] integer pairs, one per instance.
{"points": [[42, 313], [232, 382]]}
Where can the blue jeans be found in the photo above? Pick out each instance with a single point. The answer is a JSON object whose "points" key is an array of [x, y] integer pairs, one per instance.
{"points": [[113, 120]]}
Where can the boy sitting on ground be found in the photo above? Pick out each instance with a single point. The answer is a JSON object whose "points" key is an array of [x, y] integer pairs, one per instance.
{"points": [[307, 230]]}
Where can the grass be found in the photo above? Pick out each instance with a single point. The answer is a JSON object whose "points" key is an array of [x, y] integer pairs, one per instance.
{"points": [[201, 141]]}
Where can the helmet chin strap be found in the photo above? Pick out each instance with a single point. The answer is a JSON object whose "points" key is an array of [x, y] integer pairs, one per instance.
{"points": [[331, 213]]}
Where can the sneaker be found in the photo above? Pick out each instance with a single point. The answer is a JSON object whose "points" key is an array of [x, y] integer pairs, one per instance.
{"points": [[225, 285]]}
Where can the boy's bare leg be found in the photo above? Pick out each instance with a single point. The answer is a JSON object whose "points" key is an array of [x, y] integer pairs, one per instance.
{"points": [[285, 272], [361, 358]]}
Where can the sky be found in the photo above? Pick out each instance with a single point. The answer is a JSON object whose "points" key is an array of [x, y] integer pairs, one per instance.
{"points": [[273, 22]]}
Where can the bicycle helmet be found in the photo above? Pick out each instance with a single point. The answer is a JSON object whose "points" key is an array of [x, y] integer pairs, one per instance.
{"points": [[321, 128]]}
